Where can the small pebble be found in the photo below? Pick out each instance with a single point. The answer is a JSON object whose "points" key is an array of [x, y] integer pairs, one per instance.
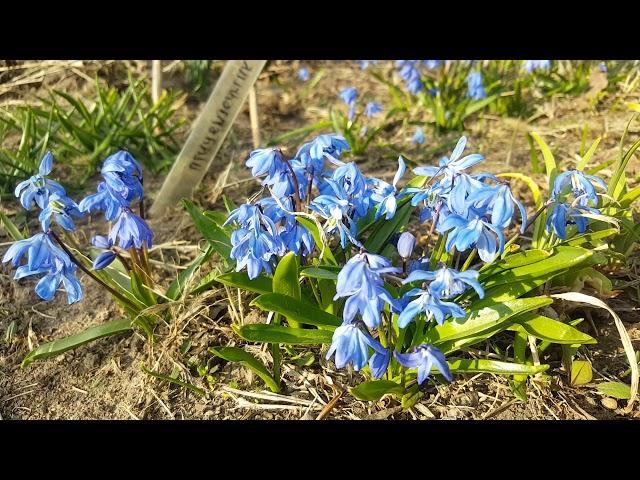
{"points": [[609, 403]]}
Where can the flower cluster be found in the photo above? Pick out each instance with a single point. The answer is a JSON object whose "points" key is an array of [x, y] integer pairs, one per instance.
{"points": [[472, 209], [409, 71], [573, 198], [43, 253], [47, 254]]}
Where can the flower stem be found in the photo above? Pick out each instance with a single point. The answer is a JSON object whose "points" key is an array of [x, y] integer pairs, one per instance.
{"points": [[469, 259], [73, 258]]}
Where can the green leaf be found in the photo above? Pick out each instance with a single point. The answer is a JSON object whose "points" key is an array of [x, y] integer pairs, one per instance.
{"points": [[176, 288], [10, 227], [553, 331], [618, 390], [483, 320], [617, 182], [175, 381], [260, 284], [531, 183], [581, 372], [285, 278], [235, 354], [582, 164], [493, 366], [216, 236], [327, 255], [379, 238], [549, 161], [590, 237], [319, 273], [296, 310], [57, 347], [520, 280], [373, 390], [277, 334], [509, 262]]}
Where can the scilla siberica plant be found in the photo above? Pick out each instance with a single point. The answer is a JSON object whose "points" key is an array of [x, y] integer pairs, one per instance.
{"points": [[52, 253], [397, 320]]}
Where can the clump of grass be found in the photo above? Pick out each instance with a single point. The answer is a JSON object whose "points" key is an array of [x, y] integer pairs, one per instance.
{"points": [[84, 131]]}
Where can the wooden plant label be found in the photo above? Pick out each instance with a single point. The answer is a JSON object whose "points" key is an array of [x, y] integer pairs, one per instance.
{"points": [[209, 131]]}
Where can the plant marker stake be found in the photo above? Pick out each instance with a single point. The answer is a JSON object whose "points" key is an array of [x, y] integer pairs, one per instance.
{"points": [[156, 80], [209, 132], [255, 119]]}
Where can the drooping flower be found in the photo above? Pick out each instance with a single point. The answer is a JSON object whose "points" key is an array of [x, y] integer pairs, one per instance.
{"points": [[564, 214], [348, 96], [38, 188], [123, 175], [360, 280], [256, 243], [475, 231], [379, 361], [418, 137], [303, 74], [60, 273], [384, 194], [130, 231], [372, 108], [350, 345], [424, 357], [475, 86], [62, 209], [447, 282], [104, 201], [105, 258], [500, 201], [579, 183], [429, 304], [408, 70], [406, 244]]}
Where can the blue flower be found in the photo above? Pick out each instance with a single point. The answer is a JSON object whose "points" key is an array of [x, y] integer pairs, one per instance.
{"points": [[408, 70], [418, 137], [123, 175], [384, 194], [447, 282], [420, 264], [429, 304], [60, 273], [349, 95], [379, 361], [62, 208], [424, 358], [337, 211], [269, 161], [602, 67], [580, 183], [452, 165], [328, 144], [563, 214], [256, 243], [350, 345], [104, 259], [297, 238], [372, 108], [104, 201], [40, 249], [360, 280], [38, 188], [406, 244], [475, 86], [130, 231], [45, 257], [303, 74], [464, 233], [499, 200], [535, 65]]}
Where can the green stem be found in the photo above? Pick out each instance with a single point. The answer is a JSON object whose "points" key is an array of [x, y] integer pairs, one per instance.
{"points": [[469, 259], [73, 258]]}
